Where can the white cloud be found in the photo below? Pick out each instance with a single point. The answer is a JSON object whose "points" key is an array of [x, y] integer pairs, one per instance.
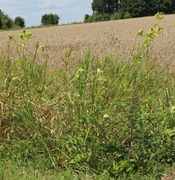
{"points": [[55, 3]]}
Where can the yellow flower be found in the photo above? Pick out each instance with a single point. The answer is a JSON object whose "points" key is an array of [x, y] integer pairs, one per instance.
{"points": [[159, 16]]}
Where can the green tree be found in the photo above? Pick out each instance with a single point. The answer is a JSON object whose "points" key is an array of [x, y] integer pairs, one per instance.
{"points": [[50, 19], [6, 21], [105, 6], [131, 8], [137, 8], [86, 17], [19, 21], [1, 25], [166, 6]]}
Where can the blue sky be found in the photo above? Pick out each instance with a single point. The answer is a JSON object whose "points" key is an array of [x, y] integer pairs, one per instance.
{"points": [[32, 10]]}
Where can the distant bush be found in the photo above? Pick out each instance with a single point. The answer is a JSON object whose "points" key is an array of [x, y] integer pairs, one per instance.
{"points": [[96, 18], [76, 22], [1, 24], [86, 17], [19, 21], [105, 17], [7, 23], [116, 16], [50, 19], [127, 15]]}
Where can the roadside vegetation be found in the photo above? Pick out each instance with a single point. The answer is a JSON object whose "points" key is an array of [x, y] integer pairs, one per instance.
{"points": [[93, 119]]}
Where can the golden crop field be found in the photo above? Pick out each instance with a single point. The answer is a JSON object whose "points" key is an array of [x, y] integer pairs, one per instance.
{"points": [[112, 37]]}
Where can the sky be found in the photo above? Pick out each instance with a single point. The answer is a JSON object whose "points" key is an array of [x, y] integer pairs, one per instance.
{"points": [[32, 10]]}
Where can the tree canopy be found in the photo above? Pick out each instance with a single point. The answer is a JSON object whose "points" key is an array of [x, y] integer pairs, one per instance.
{"points": [[139, 8], [128, 8], [19, 21], [50, 19], [105, 6], [5, 21]]}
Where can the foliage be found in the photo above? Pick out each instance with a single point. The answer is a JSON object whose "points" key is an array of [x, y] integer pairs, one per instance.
{"points": [[166, 6], [126, 15], [105, 17], [86, 17], [20, 43], [143, 47], [5, 21], [97, 17], [19, 21], [139, 8], [131, 8], [1, 25], [120, 15], [100, 116], [116, 16], [50, 19], [105, 6]]}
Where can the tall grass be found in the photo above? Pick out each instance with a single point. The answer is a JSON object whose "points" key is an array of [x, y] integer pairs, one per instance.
{"points": [[100, 116]]}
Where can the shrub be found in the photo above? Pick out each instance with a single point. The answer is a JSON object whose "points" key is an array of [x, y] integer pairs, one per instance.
{"points": [[116, 16], [127, 15], [86, 17], [97, 17], [19, 21], [50, 19], [1, 24], [7, 23]]}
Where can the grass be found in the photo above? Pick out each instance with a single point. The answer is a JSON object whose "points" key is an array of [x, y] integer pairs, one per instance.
{"points": [[16, 173], [100, 116], [96, 119], [19, 173]]}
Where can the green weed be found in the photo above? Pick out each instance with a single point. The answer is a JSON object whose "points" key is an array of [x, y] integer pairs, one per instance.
{"points": [[101, 116]]}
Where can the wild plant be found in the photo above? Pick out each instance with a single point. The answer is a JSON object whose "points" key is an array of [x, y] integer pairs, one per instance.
{"points": [[101, 116], [142, 47], [20, 43]]}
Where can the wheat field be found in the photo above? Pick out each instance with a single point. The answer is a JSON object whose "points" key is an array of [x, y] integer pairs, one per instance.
{"points": [[112, 37]]}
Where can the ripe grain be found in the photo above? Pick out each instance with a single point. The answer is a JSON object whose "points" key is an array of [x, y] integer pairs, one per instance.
{"points": [[112, 37]]}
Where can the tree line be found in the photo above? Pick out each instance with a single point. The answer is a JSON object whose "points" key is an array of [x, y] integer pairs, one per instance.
{"points": [[121, 9], [102, 10], [7, 23]]}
